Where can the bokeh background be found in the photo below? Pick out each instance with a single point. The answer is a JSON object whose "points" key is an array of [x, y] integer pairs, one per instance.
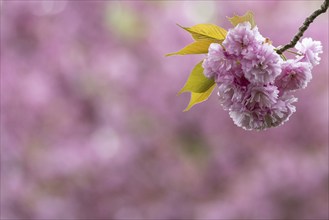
{"points": [[91, 127]]}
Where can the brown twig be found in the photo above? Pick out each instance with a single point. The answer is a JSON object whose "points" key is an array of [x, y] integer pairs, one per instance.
{"points": [[304, 27]]}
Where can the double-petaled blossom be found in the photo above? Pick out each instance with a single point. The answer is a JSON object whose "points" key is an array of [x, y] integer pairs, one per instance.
{"points": [[216, 62], [295, 75], [242, 39], [259, 96], [254, 82], [309, 51], [229, 94], [220, 64], [262, 65], [259, 118]]}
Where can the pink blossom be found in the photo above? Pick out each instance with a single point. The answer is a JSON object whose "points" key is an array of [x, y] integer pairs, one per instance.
{"points": [[282, 110], [253, 80], [229, 94], [263, 118], [220, 66], [310, 51], [261, 96], [251, 120], [295, 75], [216, 61], [263, 65], [242, 39]]}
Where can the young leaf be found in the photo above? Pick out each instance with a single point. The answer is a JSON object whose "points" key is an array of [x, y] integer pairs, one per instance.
{"points": [[249, 16], [197, 82], [197, 47], [206, 31], [199, 97]]}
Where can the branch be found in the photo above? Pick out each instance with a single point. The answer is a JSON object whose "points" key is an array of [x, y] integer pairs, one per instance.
{"points": [[304, 27]]}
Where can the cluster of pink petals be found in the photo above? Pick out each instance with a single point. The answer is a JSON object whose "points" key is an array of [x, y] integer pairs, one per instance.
{"points": [[254, 82]]}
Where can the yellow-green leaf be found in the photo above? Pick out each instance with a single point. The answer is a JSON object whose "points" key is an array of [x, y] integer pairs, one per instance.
{"points": [[197, 82], [206, 31], [249, 16], [199, 97], [197, 47]]}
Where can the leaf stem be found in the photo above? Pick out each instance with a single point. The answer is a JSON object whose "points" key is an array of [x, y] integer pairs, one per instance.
{"points": [[290, 51], [304, 27], [283, 57]]}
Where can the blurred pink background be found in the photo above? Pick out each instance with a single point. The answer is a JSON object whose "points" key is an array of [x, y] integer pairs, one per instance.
{"points": [[91, 126]]}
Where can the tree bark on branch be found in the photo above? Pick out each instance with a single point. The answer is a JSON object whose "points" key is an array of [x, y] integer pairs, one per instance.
{"points": [[304, 27]]}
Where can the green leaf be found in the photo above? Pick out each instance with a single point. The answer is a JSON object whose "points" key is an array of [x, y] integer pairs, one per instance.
{"points": [[199, 85], [206, 31], [249, 16], [197, 82], [199, 97], [197, 47]]}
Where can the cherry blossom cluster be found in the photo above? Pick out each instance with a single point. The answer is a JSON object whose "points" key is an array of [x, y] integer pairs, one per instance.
{"points": [[254, 82]]}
